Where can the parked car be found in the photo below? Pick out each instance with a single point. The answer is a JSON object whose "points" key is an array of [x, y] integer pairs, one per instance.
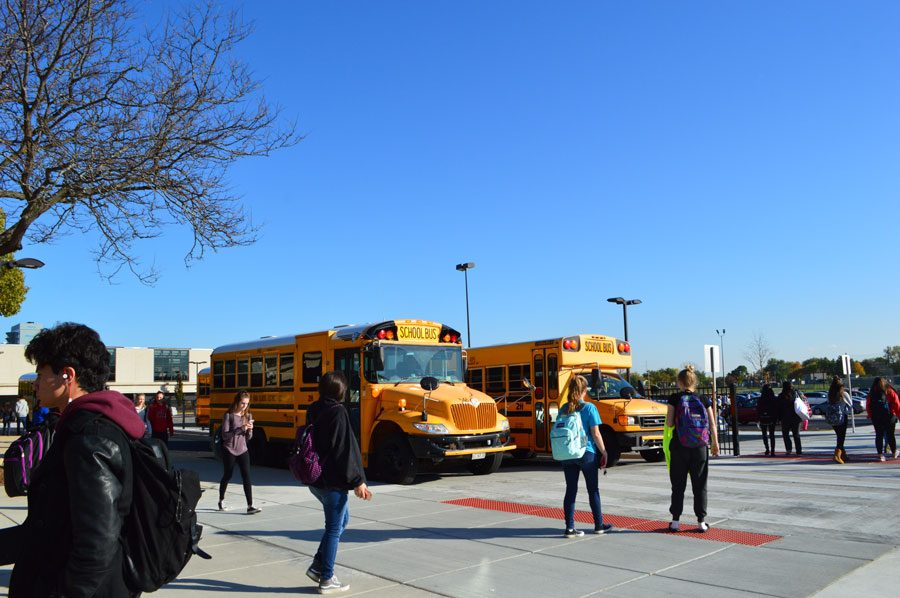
{"points": [[746, 409], [816, 400]]}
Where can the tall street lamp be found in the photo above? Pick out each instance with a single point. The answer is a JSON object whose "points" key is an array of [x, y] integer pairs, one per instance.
{"points": [[625, 303], [196, 390], [29, 263], [464, 268]]}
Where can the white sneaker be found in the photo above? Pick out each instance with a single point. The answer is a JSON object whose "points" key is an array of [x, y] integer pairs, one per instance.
{"points": [[674, 526], [573, 533], [895, 453], [703, 526], [330, 586]]}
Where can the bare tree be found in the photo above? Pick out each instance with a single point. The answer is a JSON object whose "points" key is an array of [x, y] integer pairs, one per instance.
{"points": [[758, 352], [104, 129]]}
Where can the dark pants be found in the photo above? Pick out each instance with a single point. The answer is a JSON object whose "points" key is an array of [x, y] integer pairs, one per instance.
{"points": [[788, 429], [243, 462], [841, 433], [884, 434], [684, 462], [21, 424], [768, 434], [164, 436], [589, 465]]}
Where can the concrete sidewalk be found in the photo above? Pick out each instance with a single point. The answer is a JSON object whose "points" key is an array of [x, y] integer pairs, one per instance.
{"points": [[835, 531]]}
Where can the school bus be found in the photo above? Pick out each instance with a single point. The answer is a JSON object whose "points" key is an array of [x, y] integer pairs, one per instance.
{"points": [[407, 399], [529, 380], [202, 403]]}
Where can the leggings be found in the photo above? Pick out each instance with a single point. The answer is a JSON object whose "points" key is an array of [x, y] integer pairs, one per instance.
{"points": [[788, 429], [884, 434], [768, 434], [841, 432], [243, 462]]}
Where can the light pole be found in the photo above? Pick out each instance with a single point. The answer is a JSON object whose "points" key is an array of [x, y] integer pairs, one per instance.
{"points": [[197, 365], [722, 352], [26, 262], [625, 303], [464, 268]]}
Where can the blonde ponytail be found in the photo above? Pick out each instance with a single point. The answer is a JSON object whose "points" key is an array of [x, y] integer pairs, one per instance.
{"points": [[687, 379]]}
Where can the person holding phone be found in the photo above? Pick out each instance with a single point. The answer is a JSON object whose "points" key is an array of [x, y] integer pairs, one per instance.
{"points": [[237, 429], [589, 464]]}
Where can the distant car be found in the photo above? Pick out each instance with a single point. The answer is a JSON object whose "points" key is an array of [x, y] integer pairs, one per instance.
{"points": [[746, 409]]}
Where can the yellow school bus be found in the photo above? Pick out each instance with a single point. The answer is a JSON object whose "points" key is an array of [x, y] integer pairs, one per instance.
{"points": [[202, 404], [407, 399], [529, 381]]}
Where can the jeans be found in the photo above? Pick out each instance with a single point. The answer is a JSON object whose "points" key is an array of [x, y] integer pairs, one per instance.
{"points": [[684, 461], [21, 424], [337, 515], [768, 436], [243, 462], [841, 432], [884, 434], [788, 429], [588, 464]]}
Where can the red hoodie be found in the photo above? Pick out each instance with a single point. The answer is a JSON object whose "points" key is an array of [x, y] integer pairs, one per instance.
{"points": [[111, 404]]}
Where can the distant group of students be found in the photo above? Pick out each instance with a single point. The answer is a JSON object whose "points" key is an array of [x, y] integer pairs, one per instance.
{"points": [[882, 407], [22, 415]]}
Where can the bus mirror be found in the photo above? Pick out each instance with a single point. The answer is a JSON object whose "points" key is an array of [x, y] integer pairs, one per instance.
{"points": [[595, 379], [527, 384], [429, 383]]}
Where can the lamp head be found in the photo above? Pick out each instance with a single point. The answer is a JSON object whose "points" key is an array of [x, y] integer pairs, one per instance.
{"points": [[465, 266], [618, 300]]}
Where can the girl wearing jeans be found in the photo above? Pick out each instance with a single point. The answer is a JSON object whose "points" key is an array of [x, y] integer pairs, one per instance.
{"points": [[237, 429], [589, 464], [342, 471]]}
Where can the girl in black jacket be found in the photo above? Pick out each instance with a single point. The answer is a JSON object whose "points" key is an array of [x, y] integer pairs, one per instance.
{"points": [[768, 412], [341, 471], [790, 421]]}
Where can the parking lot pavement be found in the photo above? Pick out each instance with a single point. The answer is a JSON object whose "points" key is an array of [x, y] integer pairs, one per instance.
{"points": [[781, 527]]}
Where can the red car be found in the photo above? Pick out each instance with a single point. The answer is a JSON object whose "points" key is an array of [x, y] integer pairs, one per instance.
{"points": [[746, 410]]}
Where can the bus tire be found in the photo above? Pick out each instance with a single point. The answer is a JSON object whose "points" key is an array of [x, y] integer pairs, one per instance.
{"points": [[489, 464], [395, 461], [611, 442], [654, 456], [258, 448]]}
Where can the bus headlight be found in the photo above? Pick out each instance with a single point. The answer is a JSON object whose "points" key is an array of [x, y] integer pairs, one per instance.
{"points": [[504, 425], [431, 428], [627, 420]]}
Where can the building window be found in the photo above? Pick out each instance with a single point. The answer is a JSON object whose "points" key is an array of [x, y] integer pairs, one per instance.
{"points": [[112, 365], [169, 364], [312, 367], [287, 369]]}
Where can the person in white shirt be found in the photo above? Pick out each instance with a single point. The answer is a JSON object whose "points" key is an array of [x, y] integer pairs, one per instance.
{"points": [[21, 415]]}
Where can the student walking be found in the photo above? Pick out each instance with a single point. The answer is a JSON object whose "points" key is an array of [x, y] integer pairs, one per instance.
{"points": [[342, 471], [21, 410], [589, 464], [694, 438], [237, 429], [790, 421], [78, 499], [882, 408], [8, 415], [768, 412], [160, 418], [837, 414]]}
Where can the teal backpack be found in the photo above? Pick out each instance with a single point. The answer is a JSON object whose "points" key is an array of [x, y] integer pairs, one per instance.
{"points": [[568, 438]]}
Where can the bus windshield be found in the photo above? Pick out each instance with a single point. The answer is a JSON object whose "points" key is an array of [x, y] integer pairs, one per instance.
{"points": [[410, 363], [610, 387]]}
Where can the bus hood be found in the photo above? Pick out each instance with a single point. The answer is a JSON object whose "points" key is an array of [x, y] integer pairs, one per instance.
{"points": [[456, 406], [638, 406]]}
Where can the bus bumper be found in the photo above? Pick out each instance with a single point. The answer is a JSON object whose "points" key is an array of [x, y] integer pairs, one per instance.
{"points": [[439, 448], [642, 441]]}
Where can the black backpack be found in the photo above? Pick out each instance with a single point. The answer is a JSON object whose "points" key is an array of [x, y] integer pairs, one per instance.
{"points": [[22, 458], [160, 533]]}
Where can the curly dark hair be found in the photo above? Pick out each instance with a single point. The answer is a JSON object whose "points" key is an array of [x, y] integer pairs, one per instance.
{"points": [[75, 346]]}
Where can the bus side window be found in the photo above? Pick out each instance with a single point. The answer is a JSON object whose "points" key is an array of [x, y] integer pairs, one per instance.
{"points": [[475, 379], [496, 383], [552, 376], [312, 367]]}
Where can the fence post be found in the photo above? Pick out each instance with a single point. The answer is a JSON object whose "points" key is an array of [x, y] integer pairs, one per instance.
{"points": [[735, 440]]}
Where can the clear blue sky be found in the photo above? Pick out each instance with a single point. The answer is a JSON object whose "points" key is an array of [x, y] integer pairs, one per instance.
{"points": [[732, 164]]}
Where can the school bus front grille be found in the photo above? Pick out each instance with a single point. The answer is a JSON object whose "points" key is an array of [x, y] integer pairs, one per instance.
{"points": [[652, 421], [467, 417]]}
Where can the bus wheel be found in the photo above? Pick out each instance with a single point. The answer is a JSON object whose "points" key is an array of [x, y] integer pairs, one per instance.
{"points": [[396, 462], [654, 456], [489, 464], [613, 452]]}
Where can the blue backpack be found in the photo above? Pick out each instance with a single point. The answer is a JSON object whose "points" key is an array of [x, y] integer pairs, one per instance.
{"points": [[568, 438], [692, 422], [836, 413]]}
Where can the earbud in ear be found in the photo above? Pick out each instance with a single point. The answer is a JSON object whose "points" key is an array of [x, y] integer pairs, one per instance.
{"points": [[65, 376]]}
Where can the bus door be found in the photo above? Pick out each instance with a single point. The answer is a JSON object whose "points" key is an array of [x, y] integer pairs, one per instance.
{"points": [[347, 361], [545, 368]]}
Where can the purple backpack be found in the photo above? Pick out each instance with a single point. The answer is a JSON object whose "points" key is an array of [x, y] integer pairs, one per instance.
{"points": [[692, 422], [22, 458], [304, 460]]}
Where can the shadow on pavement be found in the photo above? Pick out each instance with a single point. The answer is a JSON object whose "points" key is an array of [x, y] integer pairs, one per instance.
{"points": [[215, 585]]}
